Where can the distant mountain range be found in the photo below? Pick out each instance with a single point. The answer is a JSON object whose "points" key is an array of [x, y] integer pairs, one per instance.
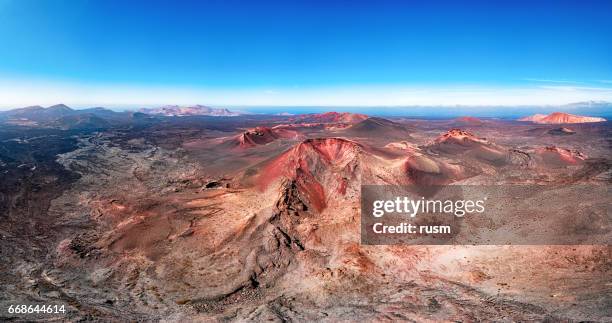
{"points": [[63, 117], [194, 110], [38, 113]]}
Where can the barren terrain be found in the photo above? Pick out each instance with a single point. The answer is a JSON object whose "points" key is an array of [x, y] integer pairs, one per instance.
{"points": [[257, 218]]}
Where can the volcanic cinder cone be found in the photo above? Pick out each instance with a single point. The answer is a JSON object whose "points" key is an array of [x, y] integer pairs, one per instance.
{"points": [[459, 142], [331, 170], [259, 136], [315, 166]]}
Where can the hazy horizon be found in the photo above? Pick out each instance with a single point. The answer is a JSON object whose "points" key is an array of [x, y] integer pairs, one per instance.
{"points": [[598, 109]]}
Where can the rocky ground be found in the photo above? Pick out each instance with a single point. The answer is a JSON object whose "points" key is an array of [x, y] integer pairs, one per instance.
{"points": [[177, 222]]}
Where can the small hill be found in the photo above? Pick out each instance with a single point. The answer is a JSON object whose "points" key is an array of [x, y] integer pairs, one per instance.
{"points": [[378, 127], [259, 136], [459, 142], [555, 157], [458, 139]]}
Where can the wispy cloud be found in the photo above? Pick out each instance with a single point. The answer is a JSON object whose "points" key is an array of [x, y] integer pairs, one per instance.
{"points": [[605, 81], [576, 88], [551, 81]]}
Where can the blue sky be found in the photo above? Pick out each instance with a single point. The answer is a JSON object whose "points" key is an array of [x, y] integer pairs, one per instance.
{"points": [[305, 52]]}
